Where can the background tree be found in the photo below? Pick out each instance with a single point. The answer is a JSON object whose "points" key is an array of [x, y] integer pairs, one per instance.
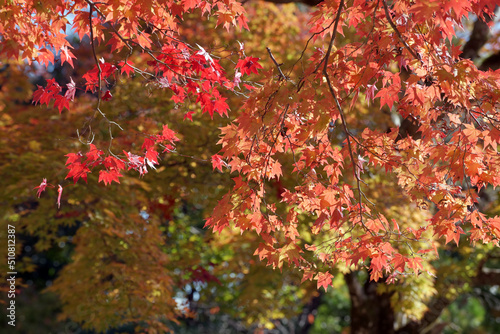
{"points": [[137, 248]]}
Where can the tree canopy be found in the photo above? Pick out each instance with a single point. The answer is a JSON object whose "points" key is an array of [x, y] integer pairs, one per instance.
{"points": [[217, 158]]}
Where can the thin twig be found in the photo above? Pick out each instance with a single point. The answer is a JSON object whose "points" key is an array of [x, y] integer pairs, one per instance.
{"points": [[99, 71], [388, 16], [334, 34], [282, 76], [341, 112]]}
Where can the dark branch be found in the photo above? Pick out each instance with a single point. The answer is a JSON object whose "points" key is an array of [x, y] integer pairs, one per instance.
{"points": [[435, 308], [282, 76], [491, 63], [487, 276], [398, 33], [477, 39]]}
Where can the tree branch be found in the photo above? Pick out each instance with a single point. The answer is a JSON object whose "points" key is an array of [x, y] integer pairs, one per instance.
{"points": [[435, 308], [478, 37], [282, 76], [491, 63], [487, 276], [388, 16]]}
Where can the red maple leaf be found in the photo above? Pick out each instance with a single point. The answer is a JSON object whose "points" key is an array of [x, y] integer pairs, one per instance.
{"points": [[108, 176], [148, 142], [126, 67], [152, 155], [220, 106], [114, 163], [189, 115], [45, 95], [324, 280], [91, 78], [399, 262], [388, 96], [67, 56], [61, 102], [107, 96], [38, 95], [248, 65], [77, 170], [217, 162], [93, 154], [73, 157], [188, 4], [168, 135]]}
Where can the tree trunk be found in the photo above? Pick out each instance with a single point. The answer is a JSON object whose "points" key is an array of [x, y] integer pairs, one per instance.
{"points": [[310, 309], [371, 312]]}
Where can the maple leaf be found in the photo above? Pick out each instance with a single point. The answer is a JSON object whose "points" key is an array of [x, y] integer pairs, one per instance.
{"points": [[249, 87], [42, 186], [399, 262], [77, 170], [148, 143], [143, 40], [396, 225], [70, 93], [38, 94], [126, 67], [73, 157], [370, 91], [226, 19], [45, 57], [136, 162], [388, 96], [237, 78], [220, 106], [242, 22], [378, 262], [359, 165], [61, 102], [107, 96], [375, 275], [291, 253], [275, 170], [204, 54], [152, 156], [107, 69], [108, 176], [324, 280], [179, 94], [168, 134], [111, 162], [217, 162], [91, 78], [44, 95], [415, 263], [189, 4], [454, 234], [189, 115], [460, 8], [59, 194], [116, 43], [249, 65], [67, 56], [93, 154]]}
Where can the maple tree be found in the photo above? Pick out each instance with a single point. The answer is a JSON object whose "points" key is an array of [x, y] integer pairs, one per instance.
{"points": [[369, 148]]}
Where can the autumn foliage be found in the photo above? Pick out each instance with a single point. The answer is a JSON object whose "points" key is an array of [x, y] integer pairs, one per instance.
{"points": [[379, 95]]}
